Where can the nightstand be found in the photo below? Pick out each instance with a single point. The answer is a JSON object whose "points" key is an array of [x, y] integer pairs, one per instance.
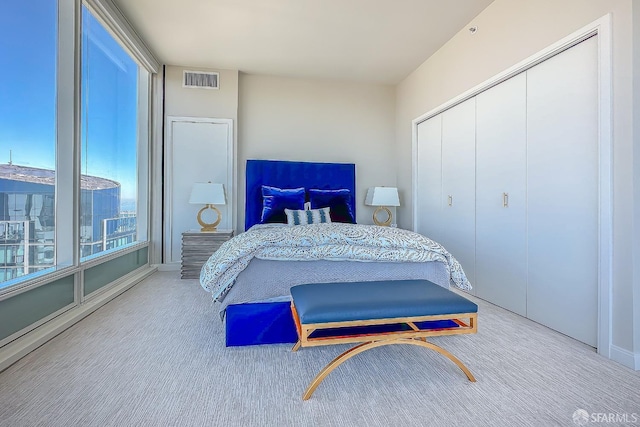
{"points": [[197, 247]]}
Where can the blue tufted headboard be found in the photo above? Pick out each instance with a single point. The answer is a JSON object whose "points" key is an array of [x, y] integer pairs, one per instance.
{"points": [[286, 174]]}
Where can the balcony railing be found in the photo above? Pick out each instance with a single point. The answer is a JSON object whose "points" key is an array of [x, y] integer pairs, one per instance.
{"points": [[25, 250]]}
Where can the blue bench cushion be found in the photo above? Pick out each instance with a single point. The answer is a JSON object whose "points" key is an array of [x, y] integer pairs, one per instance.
{"points": [[343, 302]]}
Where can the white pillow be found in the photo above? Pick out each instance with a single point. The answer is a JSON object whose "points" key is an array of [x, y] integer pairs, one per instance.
{"points": [[311, 216]]}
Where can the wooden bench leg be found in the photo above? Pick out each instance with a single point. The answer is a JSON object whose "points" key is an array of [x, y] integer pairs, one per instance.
{"points": [[445, 353], [373, 344], [296, 346]]}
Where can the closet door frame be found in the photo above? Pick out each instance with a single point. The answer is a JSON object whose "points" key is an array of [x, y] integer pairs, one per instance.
{"points": [[200, 170], [601, 28], [430, 208]]}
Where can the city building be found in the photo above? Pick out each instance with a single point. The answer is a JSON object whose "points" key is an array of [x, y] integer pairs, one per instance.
{"points": [[27, 220]]}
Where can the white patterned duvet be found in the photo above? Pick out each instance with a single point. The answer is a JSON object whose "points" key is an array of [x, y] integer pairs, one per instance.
{"points": [[332, 241]]}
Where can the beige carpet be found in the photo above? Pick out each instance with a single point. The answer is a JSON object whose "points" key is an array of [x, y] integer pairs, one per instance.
{"points": [[155, 356]]}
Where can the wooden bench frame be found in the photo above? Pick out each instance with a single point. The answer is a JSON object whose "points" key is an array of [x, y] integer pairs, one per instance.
{"points": [[466, 323]]}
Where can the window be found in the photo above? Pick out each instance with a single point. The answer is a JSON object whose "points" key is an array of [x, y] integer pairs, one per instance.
{"points": [[76, 86], [42, 97], [109, 141], [28, 54]]}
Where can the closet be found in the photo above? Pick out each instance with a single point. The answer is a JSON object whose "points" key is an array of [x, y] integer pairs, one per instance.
{"points": [[507, 181]]}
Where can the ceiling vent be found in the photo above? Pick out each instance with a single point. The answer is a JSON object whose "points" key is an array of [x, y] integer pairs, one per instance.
{"points": [[200, 79]]}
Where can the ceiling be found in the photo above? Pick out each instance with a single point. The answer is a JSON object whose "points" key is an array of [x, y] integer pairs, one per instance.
{"points": [[379, 41]]}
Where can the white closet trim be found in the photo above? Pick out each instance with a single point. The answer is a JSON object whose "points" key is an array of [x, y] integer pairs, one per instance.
{"points": [[171, 171], [601, 28]]}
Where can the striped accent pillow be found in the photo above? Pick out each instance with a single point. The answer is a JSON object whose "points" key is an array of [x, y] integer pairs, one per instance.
{"points": [[311, 216]]}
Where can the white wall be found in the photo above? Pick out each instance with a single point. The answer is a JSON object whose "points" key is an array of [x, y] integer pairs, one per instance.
{"points": [[219, 103], [636, 180], [318, 120], [298, 119], [508, 32]]}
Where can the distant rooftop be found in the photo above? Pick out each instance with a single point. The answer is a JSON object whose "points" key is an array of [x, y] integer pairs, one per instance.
{"points": [[47, 177]]}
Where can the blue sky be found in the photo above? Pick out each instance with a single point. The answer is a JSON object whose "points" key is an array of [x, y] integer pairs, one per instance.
{"points": [[28, 44], [27, 82]]}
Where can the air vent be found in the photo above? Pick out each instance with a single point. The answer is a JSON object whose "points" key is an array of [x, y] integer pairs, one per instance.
{"points": [[200, 79]]}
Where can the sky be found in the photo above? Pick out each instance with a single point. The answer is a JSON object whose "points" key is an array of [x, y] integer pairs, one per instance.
{"points": [[28, 46]]}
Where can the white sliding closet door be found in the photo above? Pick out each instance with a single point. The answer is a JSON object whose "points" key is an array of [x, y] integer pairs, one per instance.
{"points": [[501, 137], [458, 184], [562, 185], [429, 178]]}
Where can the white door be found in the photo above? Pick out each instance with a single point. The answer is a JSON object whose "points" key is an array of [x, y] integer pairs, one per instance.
{"points": [[458, 184], [562, 187], [501, 136], [428, 209], [198, 150]]}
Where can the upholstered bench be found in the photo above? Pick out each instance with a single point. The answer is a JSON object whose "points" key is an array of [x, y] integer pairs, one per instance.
{"points": [[378, 314]]}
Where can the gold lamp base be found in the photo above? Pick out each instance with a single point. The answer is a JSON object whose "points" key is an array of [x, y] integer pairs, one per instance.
{"points": [[209, 227], [384, 223]]}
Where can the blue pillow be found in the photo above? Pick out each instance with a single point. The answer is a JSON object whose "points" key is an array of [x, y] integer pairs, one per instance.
{"points": [[338, 200], [276, 200]]}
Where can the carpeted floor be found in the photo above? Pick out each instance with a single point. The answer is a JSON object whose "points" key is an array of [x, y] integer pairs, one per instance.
{"points": [[155, 356]]}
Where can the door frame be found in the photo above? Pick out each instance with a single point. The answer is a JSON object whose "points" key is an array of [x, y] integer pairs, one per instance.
{"points": [[602, 29], [169, 172]]}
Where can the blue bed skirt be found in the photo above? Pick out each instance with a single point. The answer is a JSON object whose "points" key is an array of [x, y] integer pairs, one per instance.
{"points": [[260, 323]]}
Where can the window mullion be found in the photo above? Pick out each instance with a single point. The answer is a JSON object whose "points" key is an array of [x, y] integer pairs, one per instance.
{"points": [[144, 101], [67, 193]]}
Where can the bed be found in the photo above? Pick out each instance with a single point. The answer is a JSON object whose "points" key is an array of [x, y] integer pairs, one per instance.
{"points": [[249, 277]]}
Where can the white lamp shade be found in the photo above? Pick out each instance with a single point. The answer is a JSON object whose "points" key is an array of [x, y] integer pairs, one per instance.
{"points": [[206, 193], [382, 196]]}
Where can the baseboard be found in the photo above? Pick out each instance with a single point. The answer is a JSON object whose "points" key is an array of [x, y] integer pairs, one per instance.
{"points": [[625, 357], [172, 266], [15, 350]]}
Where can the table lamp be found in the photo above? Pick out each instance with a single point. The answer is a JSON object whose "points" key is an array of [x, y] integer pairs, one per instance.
{"points": [[382, 197], [208, 194]]}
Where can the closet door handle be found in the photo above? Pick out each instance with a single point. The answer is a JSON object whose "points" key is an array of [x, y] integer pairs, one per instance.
{"points": [[450, 200], [505, 200]]}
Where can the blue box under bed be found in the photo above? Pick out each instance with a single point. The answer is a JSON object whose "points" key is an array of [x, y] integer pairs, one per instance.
{"points": [[260, 323]]}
